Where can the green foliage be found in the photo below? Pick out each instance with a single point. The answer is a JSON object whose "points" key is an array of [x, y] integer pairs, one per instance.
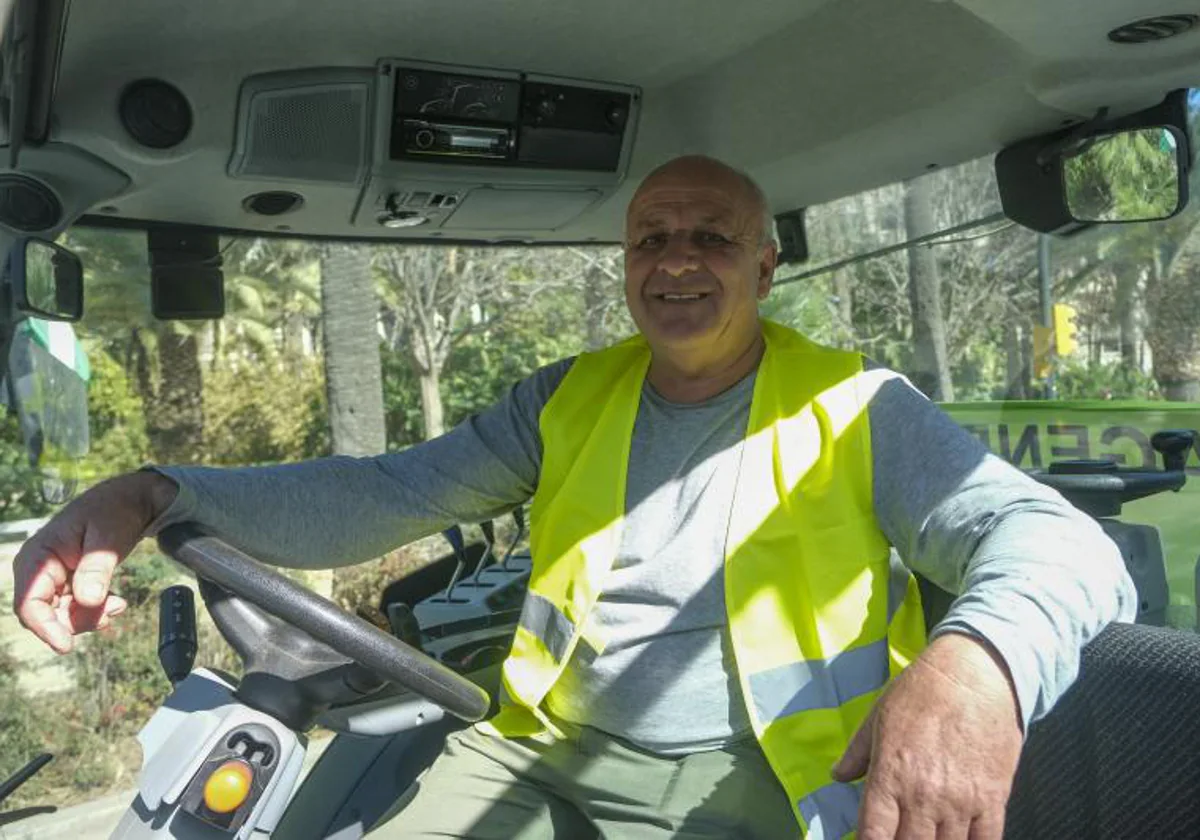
{"points": [[83, 760], [804, 306], [20, 483], [19, 737], [1112, 381], [265, 412], [485, 362], [1128, 176], [143, 575], [118, 420]]}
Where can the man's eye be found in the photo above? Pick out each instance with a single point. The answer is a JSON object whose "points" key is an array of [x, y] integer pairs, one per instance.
{"points": [[654, 240], [708, 237]]}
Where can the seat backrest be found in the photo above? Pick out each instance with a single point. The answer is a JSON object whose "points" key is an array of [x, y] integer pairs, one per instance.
{"points": [[1119, 755], [1141, 547]]}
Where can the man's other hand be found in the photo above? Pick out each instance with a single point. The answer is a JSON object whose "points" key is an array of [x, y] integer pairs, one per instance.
{"points": [[62, 574], [939, 749]]}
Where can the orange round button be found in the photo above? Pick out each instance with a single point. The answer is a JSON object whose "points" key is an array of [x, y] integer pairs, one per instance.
{"points": [[228, 786]]}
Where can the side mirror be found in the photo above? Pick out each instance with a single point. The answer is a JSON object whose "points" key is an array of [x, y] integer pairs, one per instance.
{"points": [[47, 280], [1129, 169], [1126, 176]]}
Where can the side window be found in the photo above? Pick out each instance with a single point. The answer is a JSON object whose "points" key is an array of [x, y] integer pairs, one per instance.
{"points": [[1047, 349]]}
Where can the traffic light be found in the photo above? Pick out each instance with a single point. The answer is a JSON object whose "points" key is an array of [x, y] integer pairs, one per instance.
{"points": [[1066, 332]]}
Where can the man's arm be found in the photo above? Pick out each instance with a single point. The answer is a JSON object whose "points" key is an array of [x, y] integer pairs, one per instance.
{"points": [[1036, 581], [338, 511], [1035, 577]]}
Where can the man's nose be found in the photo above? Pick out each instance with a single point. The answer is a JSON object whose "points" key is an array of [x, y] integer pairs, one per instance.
{"points": [[680, 255]]}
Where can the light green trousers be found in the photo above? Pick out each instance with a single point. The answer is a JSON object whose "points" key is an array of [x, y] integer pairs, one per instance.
{"points": [[589, 786]]}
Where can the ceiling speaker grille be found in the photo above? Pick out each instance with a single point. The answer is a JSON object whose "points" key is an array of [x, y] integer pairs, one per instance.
{"points": [[27, 205], [306, 134], [1152, 29], [155, 113]]}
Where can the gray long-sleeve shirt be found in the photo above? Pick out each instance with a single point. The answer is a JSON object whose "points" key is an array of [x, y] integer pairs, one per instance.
{"points": [[1037, 578]]}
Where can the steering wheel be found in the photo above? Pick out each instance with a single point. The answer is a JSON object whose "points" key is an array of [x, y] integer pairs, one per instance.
{"points": [[303, 653]]}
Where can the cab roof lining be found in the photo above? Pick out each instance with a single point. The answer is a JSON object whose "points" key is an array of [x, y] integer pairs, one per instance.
{"points": [[817, 99]]}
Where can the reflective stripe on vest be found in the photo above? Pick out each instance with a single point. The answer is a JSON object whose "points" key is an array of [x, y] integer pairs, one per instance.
{"points": [[831, 812], [546, 621], [820, 616], [819, 683]]}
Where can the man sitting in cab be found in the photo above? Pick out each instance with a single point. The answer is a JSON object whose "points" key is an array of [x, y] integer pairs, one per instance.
{"points": [[717, 639]]}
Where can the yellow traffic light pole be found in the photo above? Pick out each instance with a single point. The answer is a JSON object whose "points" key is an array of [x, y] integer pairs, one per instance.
{"points": [[1058, 334], [1043, 343]]}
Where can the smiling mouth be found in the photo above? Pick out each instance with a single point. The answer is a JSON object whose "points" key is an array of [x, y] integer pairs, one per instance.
{"points": [[681, 297]]}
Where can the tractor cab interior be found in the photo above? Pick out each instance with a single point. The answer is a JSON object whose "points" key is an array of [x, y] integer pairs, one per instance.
{"points": [[530, 124]]}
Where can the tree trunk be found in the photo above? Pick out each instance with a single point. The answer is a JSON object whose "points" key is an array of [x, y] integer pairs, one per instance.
{"points": [[1014, 362], [1128, 306], [353, 375], [175, 417], [218, 332], [594, 300], [843, 290], [931, 369], [353, 369], [1173, 331], [143, 377], [432, 413]]}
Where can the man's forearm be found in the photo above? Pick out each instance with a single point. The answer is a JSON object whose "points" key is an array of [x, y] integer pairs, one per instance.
{"points": [[318, 514], [1037, 578], [338, 511], [333, 512], [1041, 585]]}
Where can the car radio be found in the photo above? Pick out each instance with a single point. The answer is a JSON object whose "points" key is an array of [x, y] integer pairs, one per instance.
{"points": [[515, 120]]}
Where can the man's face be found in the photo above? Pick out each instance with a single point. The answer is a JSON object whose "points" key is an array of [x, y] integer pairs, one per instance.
{"points": [[696, 264]]}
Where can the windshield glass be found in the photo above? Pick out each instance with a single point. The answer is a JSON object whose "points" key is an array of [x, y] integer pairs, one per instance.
{"points": [[357, 349]]}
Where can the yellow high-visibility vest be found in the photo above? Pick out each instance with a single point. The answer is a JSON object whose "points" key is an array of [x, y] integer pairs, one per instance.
{"points": [[819, 618]]}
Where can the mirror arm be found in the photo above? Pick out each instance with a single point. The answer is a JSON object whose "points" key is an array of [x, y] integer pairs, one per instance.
{"points": [[1075, 140]]}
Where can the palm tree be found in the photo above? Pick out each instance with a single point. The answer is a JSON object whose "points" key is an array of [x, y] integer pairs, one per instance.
{"points": [[353, 370], [163, 357]]}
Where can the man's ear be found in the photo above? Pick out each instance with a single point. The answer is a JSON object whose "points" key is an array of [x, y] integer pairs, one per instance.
{"points": [[768, 259]]}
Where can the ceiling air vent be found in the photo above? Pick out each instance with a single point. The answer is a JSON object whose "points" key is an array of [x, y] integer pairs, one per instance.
{"points": [[1152, 29], [273, 203]]}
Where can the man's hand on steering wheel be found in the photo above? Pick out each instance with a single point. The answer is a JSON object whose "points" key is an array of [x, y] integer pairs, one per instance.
{"points": [[63, 573]]}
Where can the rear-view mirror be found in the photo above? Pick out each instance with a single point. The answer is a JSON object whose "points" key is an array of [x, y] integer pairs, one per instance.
{"points": [[47, 280], [1132, 168], [1126, 176]]}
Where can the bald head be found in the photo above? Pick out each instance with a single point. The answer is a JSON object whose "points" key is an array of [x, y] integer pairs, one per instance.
{"points": [[692, 171]]}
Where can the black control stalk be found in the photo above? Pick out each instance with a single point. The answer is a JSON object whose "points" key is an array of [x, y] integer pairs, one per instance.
{"points": [[1100, 488], [1173, 445], [177, 639]]}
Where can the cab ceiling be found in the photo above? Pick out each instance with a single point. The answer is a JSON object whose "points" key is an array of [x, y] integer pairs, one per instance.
{"points": [[816, 98]]}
